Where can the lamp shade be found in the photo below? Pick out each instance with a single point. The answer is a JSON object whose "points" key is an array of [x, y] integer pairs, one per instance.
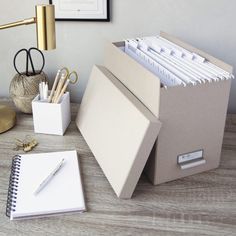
{"points": [[45, 24]]}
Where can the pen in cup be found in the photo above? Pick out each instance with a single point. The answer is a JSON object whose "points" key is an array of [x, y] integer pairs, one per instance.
{"points": [[60, 84], [43, 90]]}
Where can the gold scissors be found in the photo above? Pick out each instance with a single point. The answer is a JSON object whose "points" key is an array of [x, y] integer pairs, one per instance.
{"points": [[72, 76]]}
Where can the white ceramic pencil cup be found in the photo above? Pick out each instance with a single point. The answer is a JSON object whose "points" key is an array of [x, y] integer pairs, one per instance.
{"points": [[51, 118]]}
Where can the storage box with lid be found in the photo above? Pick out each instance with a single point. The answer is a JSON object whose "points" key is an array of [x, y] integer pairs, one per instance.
{"points": [[192, 121]]}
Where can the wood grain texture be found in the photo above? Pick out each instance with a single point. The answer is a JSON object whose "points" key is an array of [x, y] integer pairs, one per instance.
{"points": [[203, 204]]}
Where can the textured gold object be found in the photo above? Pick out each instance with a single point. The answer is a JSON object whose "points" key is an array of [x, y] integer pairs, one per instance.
{"points": [[45, 24], [7, 118], [26, 145]]}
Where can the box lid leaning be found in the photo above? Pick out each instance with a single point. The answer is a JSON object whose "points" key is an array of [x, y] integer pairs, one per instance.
{"points": [[118, 128]]}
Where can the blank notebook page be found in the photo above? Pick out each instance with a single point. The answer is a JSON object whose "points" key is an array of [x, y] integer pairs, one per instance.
{"points": [[63, 193]]}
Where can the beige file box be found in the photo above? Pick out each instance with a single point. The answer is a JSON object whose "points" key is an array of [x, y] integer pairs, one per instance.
{"points": [[192, 117], [118, 128]]}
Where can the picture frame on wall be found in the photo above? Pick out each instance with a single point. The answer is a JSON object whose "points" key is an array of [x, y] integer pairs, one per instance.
{"points": [[81, 10]]}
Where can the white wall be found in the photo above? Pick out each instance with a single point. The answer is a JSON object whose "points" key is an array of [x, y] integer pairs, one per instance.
{"points": [[206, 24]]}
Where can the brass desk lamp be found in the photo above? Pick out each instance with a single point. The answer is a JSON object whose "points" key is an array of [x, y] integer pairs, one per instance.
{"points": [[46, 40]]}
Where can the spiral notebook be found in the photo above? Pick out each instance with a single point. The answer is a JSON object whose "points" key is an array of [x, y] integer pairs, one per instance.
{"points": [[62, 194]]}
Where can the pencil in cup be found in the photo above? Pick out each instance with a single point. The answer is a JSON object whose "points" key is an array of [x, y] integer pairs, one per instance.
{"points": [[62, 91], [54, 86], [59, 87]]}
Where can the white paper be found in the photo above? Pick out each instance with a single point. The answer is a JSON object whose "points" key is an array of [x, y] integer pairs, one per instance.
{"points": [[166, 77], [156, 52]]}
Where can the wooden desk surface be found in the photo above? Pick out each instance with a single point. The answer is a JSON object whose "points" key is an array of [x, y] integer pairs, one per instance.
{"points": [[203, 204]]}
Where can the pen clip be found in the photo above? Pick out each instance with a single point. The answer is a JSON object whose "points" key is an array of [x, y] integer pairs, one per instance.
{"points": [[59, 167]]}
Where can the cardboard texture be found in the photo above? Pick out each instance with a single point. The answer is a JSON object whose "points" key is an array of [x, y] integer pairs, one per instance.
{"points": [[193, 117], [51, 118], [118, 128]]}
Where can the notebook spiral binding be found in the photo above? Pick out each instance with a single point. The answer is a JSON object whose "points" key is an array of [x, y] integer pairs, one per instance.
{"points": [[13, 185]]}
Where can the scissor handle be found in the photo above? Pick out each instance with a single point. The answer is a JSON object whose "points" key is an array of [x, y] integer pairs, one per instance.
{"points": [[28, 57], [76, 77], [43, 58], [14, 60], [69, 74], [66, 70]]}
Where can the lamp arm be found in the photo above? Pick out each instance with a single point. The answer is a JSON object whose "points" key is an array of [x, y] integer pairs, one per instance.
{"points": [[45, 26], [18, 23]]}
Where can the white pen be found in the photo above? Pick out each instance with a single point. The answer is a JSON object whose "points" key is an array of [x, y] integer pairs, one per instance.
{"points": [[45, 91], [43, 86], [41, 90], [49, 177]]}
